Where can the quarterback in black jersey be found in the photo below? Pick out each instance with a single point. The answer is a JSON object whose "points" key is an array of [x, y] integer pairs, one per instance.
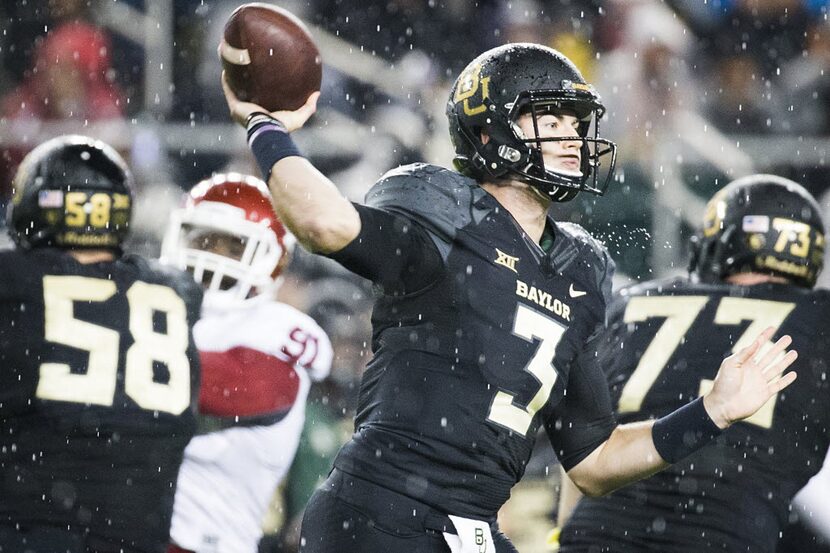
{"points": [[756, 262], [486, 307], [98, 371]]}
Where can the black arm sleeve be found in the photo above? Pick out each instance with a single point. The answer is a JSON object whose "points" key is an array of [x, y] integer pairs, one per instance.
{"points": [[392, 251], [583, 420]]}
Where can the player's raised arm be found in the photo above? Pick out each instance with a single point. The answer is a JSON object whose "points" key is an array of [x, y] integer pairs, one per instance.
{"points": [[321, 218], [744, 383]]}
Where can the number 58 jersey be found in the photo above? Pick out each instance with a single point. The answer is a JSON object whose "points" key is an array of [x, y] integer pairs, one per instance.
{"points": [[98, 380], [663, 349]]}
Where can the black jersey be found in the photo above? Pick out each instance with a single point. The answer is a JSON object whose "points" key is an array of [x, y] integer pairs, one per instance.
{"points": [[98, 377], [477, 335], [664, 346]]}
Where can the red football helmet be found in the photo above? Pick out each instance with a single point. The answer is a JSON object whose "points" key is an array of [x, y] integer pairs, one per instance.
{"points": [[228, 236]]}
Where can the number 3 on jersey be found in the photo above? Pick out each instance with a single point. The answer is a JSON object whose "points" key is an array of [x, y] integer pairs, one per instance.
{"points": [[530, 325], [97, 385], [680, 312]]}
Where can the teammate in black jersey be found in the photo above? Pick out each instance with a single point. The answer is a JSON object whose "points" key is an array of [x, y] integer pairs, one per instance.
{"points": [[758, 256], [486, 309], [98, 371]]}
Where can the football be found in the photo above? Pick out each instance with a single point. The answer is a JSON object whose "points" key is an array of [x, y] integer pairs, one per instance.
{"points": [[269, 57]]}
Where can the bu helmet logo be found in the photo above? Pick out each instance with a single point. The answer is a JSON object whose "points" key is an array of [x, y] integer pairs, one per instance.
{"points": [[468, 85], [714, 214]]}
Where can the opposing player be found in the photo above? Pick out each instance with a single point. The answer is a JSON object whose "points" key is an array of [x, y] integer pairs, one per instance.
{"points": [[486, 308], [258, 356], [99, 371], [756, 262]]}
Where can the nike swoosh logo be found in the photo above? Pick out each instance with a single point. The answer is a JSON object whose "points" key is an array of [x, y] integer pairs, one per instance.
{"points": [[575, 293]]}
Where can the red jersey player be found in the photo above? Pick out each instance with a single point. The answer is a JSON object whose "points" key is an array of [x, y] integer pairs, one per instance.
{"points": [[258, 358]]}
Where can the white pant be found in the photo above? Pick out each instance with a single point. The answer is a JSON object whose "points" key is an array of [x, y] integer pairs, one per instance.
{"points": [[226, 483]]}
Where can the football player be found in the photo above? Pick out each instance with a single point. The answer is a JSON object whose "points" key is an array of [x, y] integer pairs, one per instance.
{"points": [[98, 370], [486, 306], [258, 357], [755, 265]]}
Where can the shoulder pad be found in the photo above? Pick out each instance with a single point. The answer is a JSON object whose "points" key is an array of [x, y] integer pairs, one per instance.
{"points": [[579, 244], [7, 261], [662, 286], [269, 317], [275, 314], [7, 256], [439, 199], [181, 281], [578, 234], [657, 287], [821, 294], [817, 299]]}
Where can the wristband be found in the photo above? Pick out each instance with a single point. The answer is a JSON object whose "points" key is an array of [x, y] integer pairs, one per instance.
{"points": [[258, 115], [269, 141], [684, 431]]}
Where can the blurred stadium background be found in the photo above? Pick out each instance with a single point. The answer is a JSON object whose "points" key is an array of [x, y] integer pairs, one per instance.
{"points": [[698, 92]]}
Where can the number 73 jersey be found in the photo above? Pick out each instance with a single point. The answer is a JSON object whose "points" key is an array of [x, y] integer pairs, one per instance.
{"points": [[664, 346], [475, 353], [98, 377]]}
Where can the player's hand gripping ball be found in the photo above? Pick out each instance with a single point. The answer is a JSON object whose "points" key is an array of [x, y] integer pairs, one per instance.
{"points": [[269, 57]]}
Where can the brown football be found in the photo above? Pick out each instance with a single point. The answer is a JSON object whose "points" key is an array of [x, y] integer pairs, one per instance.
{"points": [[269, 57]]}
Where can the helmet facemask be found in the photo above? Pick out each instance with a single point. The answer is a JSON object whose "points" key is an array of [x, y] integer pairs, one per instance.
{"points": [[511, 153], [235, 260], [562, 184]]}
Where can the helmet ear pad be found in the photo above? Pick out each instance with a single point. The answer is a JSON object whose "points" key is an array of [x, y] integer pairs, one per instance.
{"points": [[500, 150]]}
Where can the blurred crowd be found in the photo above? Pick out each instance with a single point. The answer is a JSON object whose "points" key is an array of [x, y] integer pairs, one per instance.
{"points": [[667, 70]]}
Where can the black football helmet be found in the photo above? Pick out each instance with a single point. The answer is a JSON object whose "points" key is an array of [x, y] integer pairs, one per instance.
{"points": [[71, 192], [763, 224], [506, 82]]}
